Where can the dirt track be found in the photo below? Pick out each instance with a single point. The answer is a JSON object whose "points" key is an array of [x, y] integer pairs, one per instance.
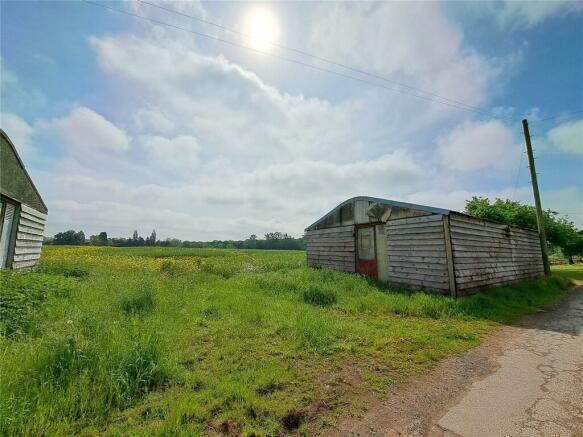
{"points": [[526, 380]]}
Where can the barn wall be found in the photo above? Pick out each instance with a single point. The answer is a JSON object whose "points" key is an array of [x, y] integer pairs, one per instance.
{"points": [[416, 253], [488, 254], [332, 248], [29, 237]]}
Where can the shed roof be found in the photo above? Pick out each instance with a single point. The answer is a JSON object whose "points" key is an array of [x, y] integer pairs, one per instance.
{"points": [[15, 182], [389, 202]]}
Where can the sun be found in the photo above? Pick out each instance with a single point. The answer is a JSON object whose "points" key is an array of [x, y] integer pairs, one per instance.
{"points": [[262, 28]]}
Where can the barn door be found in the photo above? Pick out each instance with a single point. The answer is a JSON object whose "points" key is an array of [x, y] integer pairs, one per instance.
{"points": [[366, 254], [6, 219]]}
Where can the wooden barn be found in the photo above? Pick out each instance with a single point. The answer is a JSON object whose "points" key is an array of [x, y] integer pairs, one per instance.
{"points": [[22, 211], [422, 247]]}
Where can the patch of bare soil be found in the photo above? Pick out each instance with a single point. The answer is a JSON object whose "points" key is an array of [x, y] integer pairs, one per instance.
{"points": [[413, 408]]}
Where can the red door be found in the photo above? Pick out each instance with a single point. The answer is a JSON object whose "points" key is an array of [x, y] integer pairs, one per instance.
{"points": [[366, 254]]}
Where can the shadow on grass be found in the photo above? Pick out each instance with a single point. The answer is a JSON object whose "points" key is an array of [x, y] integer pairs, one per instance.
{"points": [[504, 305]]}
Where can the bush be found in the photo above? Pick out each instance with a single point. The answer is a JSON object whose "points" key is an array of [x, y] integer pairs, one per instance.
{"points": [[67, 269], [319, 297], [141, 301], [23, 299]]}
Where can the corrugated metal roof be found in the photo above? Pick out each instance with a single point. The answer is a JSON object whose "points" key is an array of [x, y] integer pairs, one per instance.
{"points": [[397, 203]]}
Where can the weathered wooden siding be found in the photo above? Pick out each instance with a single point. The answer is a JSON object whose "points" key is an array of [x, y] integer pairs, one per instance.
{"points": [[381, 248], [332, 248], [29, 237], [488, 254], [416, 252]]}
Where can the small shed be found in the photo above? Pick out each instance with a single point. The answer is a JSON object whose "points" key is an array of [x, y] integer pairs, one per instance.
{"points": [[23, 213], [421, 246]]}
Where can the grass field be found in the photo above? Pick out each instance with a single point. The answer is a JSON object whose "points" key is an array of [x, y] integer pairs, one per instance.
{"points": [[136, 341], [569, 271]]}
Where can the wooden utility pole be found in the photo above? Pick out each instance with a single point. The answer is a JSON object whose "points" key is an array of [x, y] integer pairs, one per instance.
{"points": [[537, 205]]}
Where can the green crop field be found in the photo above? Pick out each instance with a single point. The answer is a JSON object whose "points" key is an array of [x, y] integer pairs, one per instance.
{"points": [[162, 341]]}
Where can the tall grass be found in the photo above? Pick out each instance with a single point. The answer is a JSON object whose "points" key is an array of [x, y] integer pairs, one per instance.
{"points": [[315, 332], [72, 269], [140, 301], [161, 341], [318, 296], [71, 378], [23, 299]]}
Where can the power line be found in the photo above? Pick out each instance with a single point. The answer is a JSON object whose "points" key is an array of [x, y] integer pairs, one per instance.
{"points": [[332, 62], [518, 174], [294, 61], [317, 57]]}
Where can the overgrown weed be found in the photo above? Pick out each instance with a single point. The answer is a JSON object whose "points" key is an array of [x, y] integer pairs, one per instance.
{"points": [[319, 296], [140, 301], [71, 378], [70, 269], [315, 332], [23, 300]]}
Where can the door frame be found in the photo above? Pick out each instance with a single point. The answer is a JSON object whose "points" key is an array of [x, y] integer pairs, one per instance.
{"points": [[13, 232], [374, 236]]}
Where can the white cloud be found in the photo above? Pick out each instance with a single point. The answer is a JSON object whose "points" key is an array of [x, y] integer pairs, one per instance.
{"points": [[119, 219], [478, 145], [290, 195], [527, 14], [229, 109], [567, 137], [567, 201], [180, 152], [152, 120], [265, 159], [86, 131], [455, 200], [19, 131], [384, 38]]}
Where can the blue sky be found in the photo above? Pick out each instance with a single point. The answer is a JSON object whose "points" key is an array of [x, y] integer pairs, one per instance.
{"points": [[125, 124]]}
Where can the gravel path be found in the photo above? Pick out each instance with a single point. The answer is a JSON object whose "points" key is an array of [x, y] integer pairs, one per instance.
{"points": [[526, 380]]}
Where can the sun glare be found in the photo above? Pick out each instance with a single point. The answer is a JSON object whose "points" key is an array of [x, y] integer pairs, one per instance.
{"points": [[261, 27]]}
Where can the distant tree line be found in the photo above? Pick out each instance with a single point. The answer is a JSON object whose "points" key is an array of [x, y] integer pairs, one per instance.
{"points": [[271, 240]]}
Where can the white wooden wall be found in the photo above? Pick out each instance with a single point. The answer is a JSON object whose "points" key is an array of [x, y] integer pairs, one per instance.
{"points": [[416, 253], [332, 248], [29, 238], [488, 254]]}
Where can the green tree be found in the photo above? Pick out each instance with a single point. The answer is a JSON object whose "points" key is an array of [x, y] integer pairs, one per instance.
{"points": [[103, 240], [99, 240], [274, 236], [574, 247], [559, 230], [151, 240], [69, 237]]}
